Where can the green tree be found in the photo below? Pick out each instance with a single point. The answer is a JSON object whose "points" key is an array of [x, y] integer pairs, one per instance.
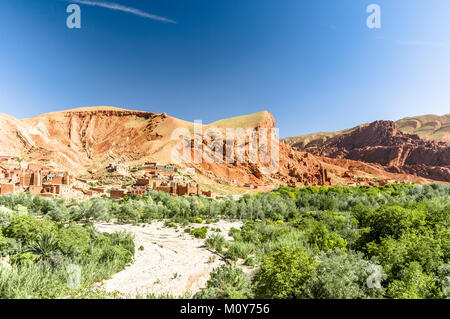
{"points": [[44, 246], [341, 276], [284, 273], [414, 284]]}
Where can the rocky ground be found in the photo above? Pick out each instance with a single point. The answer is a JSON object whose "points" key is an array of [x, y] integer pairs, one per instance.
{"points": [[169, 262]]}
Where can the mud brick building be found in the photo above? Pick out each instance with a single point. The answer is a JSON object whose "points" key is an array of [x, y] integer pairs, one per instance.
{"points": [[35, 167], [36, 179], [177, 178], [138, 190], [7, 189], [143, 182], [189, 171], [150, 165], [118, 193], [7, 159], [144, 185], [57, 189], [98, 189]]}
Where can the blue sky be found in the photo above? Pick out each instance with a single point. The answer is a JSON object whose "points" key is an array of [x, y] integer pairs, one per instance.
{"points": [[314, 64]]}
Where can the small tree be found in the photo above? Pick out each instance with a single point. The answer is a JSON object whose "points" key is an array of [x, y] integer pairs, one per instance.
{"points": [[284, 273]]}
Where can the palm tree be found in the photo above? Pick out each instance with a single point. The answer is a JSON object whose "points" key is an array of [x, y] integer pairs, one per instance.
{"points": [[43, 247]]}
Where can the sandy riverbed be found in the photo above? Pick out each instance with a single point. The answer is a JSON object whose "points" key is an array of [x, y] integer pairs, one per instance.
{"points": [[171, 263]]}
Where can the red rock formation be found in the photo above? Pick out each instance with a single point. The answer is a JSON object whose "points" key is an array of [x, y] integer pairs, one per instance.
{"points": [[86, 139], [381, 142]]}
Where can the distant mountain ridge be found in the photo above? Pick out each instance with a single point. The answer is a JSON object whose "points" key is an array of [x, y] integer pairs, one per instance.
{"points": [[428, 127], [384, 143]]}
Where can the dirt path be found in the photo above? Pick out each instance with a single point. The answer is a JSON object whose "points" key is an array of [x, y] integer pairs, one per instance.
{"points": [[172, 262]]}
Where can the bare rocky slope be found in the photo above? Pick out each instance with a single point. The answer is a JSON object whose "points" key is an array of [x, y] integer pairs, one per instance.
{"points": [[383, 143], [428, 127], [84, 139]]}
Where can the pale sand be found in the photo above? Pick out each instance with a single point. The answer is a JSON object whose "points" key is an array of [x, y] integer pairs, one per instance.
{"points": [[172, 262]]}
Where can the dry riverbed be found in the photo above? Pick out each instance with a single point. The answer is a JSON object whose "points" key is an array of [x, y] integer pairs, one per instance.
{"points": [[171, 262]]}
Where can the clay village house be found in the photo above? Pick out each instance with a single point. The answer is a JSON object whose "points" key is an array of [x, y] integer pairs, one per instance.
{"points": [[172, 186], [36, 179], [43, 181], [144, 185], [189, 171], [8, 159]]}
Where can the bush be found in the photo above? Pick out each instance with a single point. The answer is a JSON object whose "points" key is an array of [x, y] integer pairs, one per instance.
{"points": [[322, 239], [216, 242], [396, 254], [391, 221], [199, 232], [171, 225], [31, 281], [283, 274], [414, 284], [403, 227], [117, 255], [238, 249], [123, 239], [27, 228], [4, 245], [5, 216], [226, 282], [43, 246], [73, 240], [340, 275], [25, 259]]}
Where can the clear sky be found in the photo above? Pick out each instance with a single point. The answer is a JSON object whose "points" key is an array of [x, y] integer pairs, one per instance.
{"points": [[314, 64]]}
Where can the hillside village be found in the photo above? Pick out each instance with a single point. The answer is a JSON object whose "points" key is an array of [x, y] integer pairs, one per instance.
{"points": [[17, 176]]}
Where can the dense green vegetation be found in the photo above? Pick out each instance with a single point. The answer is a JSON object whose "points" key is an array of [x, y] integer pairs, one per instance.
{"points": [[334, 242], [312, 242], [41, 253]]}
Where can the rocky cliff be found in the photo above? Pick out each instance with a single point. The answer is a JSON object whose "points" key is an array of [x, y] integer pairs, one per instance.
{"points": [[383, 143]]}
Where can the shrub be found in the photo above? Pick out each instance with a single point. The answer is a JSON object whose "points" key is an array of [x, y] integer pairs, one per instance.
{"points": [[226, 282], [31, 281], [117, 255], [43, 246], [404, 227], [124, 240], [392, 221], [413, 284], [25, 259], [283, 274], [322, 239], [74, 240], [215, 241], [5, 216], [199, 232], [4, 245], [340, 275], [444, 279], [59, 214], [27, 228], [426, 249], [238, 249], [171, 224]]}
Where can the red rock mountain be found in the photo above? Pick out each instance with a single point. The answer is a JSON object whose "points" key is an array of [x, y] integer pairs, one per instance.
{"points": [[381, 142], [84, 139]]}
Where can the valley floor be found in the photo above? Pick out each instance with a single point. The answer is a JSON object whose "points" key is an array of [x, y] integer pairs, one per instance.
{"points": [[171, 262]]}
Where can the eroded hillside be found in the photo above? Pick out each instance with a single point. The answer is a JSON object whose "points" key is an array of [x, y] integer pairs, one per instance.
{"points": [[86, 139]]}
